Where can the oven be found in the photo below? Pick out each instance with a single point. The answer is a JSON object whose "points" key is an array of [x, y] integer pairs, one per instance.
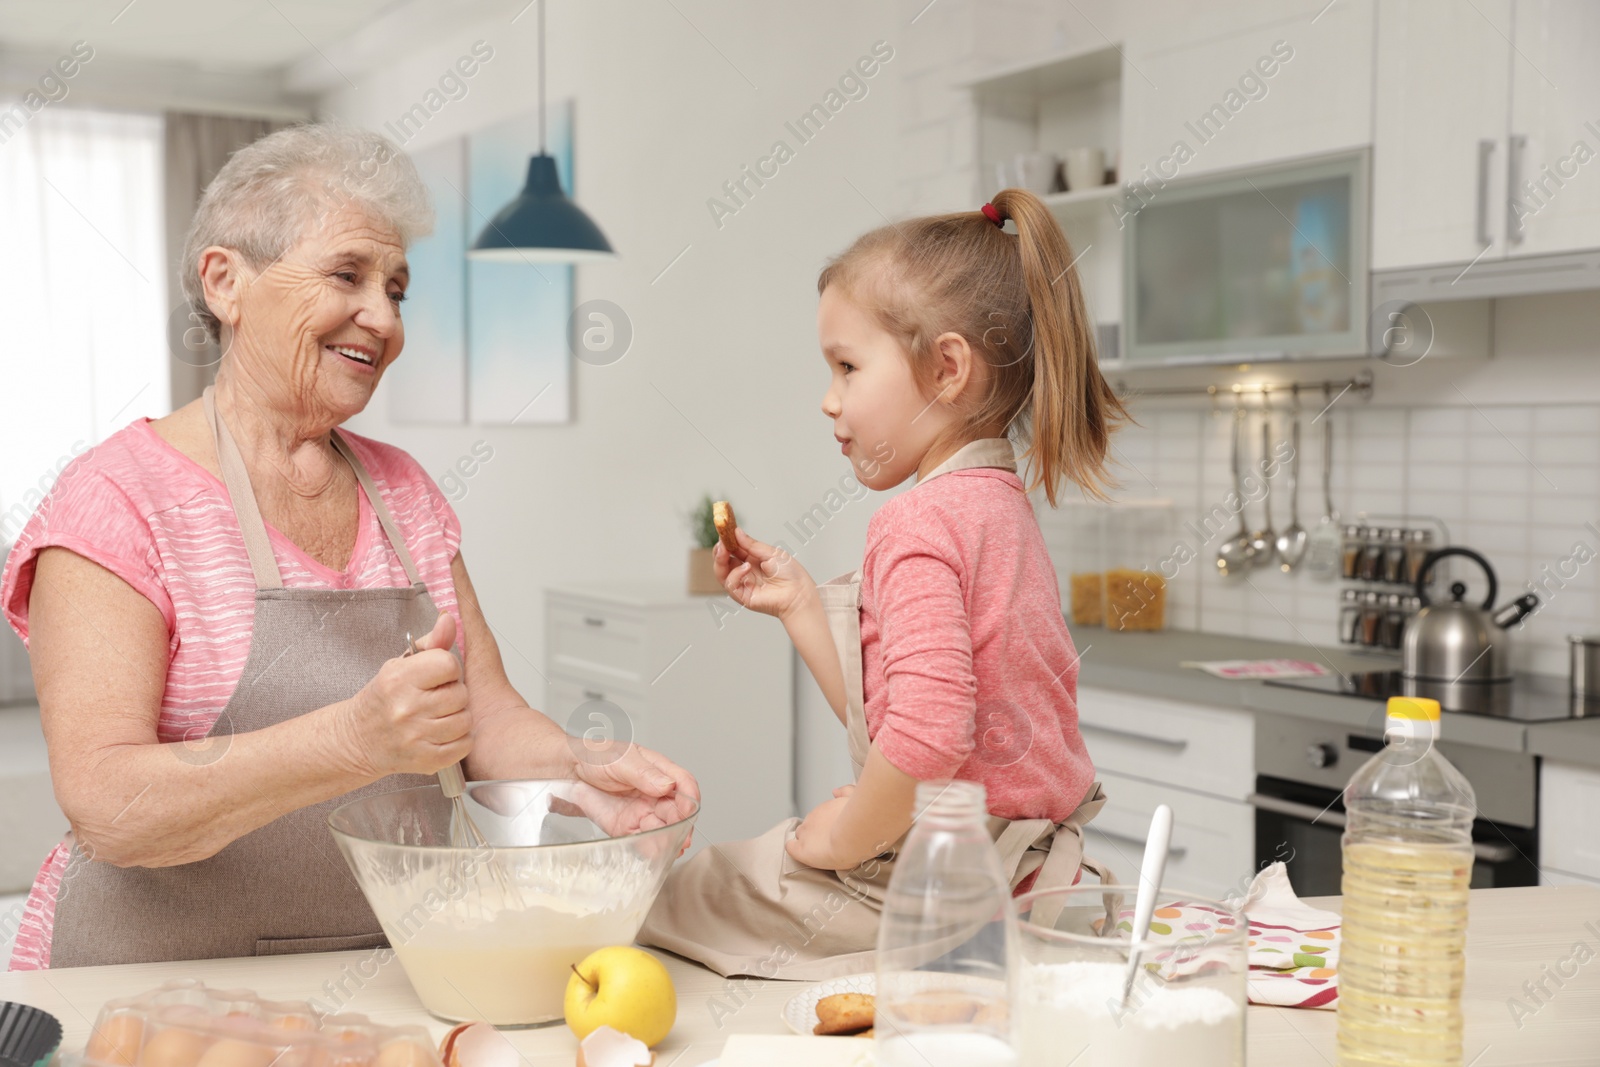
{"points": [[1302, 766]]}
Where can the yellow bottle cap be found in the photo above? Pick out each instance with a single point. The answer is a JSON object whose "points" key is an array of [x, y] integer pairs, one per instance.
{"points": [[1420, 708]]}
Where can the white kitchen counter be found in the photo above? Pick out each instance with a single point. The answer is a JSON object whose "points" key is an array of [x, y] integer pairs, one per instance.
{"points": [[1514, 936]]}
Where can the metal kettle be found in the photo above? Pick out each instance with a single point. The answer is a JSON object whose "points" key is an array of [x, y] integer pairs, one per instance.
{"points": [[1454, 641]]}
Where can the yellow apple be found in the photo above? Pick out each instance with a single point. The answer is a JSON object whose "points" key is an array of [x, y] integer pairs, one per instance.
{"points": [[624, 988]]}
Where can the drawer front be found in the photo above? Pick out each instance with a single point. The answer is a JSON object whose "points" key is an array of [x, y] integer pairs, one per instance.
{"points": [[621, 717], [1568, 799], [1213, 841], [591, 641], [1193, 746]]}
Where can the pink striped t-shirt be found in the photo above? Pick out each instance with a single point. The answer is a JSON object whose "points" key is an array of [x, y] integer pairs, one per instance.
{"points": [[969, 671], [162, 523]]}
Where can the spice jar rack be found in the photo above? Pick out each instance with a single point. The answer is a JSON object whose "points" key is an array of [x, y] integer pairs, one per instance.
{"points": [[1381, 557]]}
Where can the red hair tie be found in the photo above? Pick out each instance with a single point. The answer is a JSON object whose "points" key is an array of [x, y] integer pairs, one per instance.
{"points": [[994, 214]]}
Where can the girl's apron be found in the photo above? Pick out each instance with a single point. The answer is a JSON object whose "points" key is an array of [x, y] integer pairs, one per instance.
{"points": [[284, 887], [748, 907]]}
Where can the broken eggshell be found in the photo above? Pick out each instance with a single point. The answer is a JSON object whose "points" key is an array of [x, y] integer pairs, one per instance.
{"points": [[477, 1045], [605, 1047]]}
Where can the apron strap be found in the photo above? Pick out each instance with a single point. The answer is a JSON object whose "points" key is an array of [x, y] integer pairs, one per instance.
{"points": [[257, 545], [374, 497], [237, 480]]}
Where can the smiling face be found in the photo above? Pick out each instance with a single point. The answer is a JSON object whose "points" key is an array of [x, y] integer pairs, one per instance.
{"points": [[883, 422], [314, 331]]}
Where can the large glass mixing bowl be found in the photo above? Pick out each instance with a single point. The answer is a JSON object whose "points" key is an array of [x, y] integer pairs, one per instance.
{"points": [[491, 933]]}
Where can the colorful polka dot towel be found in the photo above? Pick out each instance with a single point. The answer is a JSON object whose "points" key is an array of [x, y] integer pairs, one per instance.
{"points": [[1294, 948]]}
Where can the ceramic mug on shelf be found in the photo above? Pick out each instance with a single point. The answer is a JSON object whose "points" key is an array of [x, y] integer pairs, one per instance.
{"points": [[1036, 172], [1086, 168]]}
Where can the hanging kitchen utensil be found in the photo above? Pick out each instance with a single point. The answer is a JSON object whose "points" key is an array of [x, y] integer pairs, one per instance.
{"points": [[1453, 641], [1326, 542], [1263, 542], [1291, 543], [1235, 554]]}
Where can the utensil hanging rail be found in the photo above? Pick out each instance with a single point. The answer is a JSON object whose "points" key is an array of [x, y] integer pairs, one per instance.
{"points": [[1360, 384]]}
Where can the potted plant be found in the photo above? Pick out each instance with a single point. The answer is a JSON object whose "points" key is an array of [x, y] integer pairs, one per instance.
{"points": [[702, 569]]}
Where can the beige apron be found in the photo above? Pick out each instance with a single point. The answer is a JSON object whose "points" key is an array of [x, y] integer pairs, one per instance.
{"points": [[283, 887], [748, 907]]}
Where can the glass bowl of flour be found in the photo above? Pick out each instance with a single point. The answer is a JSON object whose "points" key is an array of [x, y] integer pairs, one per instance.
{"points": [[1187, 1002]]}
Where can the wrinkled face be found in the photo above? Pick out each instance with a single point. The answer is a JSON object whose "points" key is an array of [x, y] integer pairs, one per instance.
{"points": [[317, 328], [880, 418]]}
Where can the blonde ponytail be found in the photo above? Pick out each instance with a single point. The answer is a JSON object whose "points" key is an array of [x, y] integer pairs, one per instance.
{"points": [[1018, 302]]}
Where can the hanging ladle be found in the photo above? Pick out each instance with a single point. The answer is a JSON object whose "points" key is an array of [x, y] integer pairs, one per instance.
{"points": [[1292, 541], [1235, 554]]}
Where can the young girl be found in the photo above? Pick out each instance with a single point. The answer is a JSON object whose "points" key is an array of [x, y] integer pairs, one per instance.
{"points": [[946, 655]]}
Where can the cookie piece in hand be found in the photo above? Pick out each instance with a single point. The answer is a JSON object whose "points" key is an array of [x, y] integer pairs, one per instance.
{"points": [[844, 1013], [722, 518]]}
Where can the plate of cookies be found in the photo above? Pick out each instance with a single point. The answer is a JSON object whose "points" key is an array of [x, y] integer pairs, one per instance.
{"points": [[839, 1007]]}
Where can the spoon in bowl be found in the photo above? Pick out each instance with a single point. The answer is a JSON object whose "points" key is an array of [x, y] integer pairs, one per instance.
{"points": [[1151, 870]]}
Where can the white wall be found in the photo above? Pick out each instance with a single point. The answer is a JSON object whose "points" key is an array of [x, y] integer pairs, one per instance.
{"points": [[728, 334]]}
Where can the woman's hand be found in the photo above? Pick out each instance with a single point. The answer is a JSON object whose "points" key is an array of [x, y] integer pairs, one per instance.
{"points": [[412, 717], [643, 789], [767, 579]]}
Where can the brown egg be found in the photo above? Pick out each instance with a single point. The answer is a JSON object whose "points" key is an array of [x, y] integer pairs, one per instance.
{"points": [[174, 1047], [405, 1053], [115, 1042], [232, 1052], [294, 1022]]}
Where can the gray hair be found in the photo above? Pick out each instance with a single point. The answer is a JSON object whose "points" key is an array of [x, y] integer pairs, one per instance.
{"points": [[270, 192]]}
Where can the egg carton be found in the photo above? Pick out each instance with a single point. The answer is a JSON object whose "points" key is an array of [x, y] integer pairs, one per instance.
{"points": [[186, 1023]]}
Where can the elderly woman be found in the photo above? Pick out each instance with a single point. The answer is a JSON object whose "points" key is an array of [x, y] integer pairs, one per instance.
{"points": [[217, 601]]}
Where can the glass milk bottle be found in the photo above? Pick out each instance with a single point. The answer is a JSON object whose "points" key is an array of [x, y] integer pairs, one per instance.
{"points": [[1407, 865], [943, 995]]}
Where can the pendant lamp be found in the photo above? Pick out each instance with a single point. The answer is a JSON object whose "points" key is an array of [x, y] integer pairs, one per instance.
{"points": [[541, 225]]}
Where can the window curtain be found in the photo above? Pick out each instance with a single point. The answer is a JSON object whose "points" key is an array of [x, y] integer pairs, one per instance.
{"points": [[83, 292], [195, 148]]}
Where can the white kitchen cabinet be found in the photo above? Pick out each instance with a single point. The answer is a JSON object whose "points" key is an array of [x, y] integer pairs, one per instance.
{"points": [[1212, 852], [1443, 105], [1203, 82], [1569, 796], [1555, 107], [1194, 747], [712, 691], [1487, 140]]}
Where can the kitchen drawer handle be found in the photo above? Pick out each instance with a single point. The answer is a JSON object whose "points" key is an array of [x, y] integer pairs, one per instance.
{"points": [[1485, 153], [1487, 851], [1173, 743], [593, 620], [1514, 228], [1137, 842]]}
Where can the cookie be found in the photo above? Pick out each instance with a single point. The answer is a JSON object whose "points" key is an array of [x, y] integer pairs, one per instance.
{"points": [[722, 518], [844, 1013], [940, 1009]]}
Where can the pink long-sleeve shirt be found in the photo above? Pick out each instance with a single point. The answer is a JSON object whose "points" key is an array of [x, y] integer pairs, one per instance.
{"points": [[969, 671]]}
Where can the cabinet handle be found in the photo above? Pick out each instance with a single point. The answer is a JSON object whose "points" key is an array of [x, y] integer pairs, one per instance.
{"points": [[1172, 853], [592, 620], [1487, 851], [1173, 743], [1485, 155], [1516, 143], [593, 694]]}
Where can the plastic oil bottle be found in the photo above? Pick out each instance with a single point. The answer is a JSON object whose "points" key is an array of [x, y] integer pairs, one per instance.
{"points": [[1407, 865]]}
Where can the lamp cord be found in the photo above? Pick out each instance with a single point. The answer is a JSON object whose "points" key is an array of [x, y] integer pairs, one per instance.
{"points": [[541, 78]]}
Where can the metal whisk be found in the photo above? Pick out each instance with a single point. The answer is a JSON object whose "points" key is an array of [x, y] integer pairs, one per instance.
{"points": [[464, 832]]}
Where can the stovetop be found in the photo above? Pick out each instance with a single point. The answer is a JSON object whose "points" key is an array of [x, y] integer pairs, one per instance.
{"points": [[1525, 698]]}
